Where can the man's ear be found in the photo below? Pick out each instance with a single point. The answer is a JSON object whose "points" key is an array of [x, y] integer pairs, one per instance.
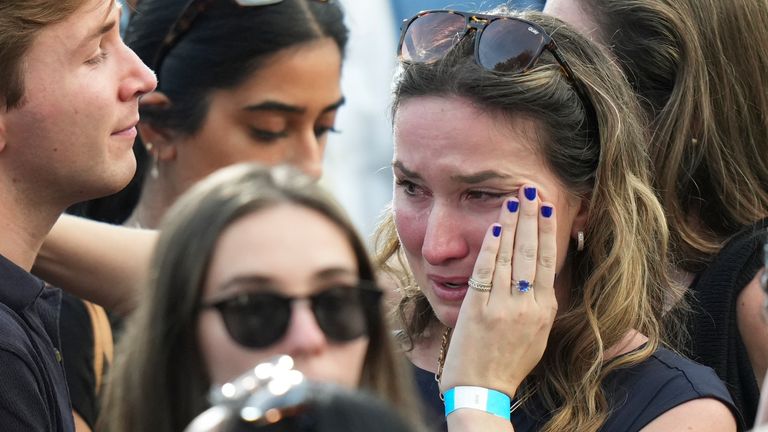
{"points": [[157, 141]]}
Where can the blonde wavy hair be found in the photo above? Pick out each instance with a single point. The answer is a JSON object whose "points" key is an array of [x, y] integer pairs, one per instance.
{"points": [[701, 70], [620, 280]]}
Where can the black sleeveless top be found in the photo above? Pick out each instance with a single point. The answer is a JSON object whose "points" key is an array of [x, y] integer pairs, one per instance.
{"points": [[637, 394], [715, 338]]}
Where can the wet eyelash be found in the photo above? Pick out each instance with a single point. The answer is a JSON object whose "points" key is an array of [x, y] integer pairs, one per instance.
{"points": [[407, 185]]}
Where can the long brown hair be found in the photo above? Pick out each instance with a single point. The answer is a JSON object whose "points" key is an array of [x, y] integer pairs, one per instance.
{"points": [[700, 69], [159, 381], [619, 281]]}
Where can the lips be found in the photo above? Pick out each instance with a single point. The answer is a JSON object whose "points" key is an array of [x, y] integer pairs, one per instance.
{"points": [[449, 289], [130, 129]]}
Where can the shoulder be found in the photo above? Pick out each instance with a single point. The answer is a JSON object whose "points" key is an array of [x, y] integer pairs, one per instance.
{"points": [[687, 375], [738, 260], [23, 405], [644, 392], [698, 414], [18, 357], [14, 338]]}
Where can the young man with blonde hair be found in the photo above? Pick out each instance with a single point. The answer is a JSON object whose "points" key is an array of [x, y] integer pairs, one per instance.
{"points": [[68, 110]]}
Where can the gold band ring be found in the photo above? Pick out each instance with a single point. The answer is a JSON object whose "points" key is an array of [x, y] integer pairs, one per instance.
{"points": [[479, 286]]}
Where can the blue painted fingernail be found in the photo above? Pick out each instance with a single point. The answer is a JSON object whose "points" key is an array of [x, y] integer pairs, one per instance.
{"points": [[546, 211], [530, 193], [512, 205], [496, 230]]}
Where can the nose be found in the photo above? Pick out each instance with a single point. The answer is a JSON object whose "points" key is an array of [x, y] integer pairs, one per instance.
{"points": [[307, 154], [304, 337], [138, 78], [443, 238]]}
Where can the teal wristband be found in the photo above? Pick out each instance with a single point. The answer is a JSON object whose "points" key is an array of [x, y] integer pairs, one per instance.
{"points": [[479, 398]]}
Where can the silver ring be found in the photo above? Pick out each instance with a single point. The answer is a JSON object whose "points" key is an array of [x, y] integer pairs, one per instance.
{"points": [[479, 286], [522, 285]]}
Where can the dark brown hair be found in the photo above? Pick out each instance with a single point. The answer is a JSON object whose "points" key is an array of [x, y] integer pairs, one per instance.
{"points": [[701, 71], [159, 381]]}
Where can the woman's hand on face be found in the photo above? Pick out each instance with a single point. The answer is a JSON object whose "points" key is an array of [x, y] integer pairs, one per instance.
{"points": [[501, 334]]}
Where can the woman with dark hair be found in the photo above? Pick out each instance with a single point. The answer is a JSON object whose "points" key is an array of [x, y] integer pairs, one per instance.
{"points": [[700, 71], [240, 80], [251, 263]]}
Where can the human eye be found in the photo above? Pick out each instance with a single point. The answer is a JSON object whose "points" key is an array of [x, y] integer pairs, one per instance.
{"points": [[338, 295], [321, 131], [99, 58], [485, 196], [480, 194], [265, 136], [409, 188]]}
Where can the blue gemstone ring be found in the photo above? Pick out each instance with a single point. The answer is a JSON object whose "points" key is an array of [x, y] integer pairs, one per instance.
{"points": [[522, 285]]}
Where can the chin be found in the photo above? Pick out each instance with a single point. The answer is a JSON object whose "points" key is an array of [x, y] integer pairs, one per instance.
{"points": [[109, 183], [447, 315]]}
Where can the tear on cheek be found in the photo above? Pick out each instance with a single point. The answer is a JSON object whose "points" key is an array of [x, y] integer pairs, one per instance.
{"points": [[410, 229]]}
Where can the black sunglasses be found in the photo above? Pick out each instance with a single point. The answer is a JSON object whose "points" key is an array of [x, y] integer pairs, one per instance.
{"points": [[502, 44], [187, 16], [258, 320]]}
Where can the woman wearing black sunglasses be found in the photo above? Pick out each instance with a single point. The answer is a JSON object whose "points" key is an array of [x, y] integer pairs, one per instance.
{"points": [[535, 247], [251, 263], [700, 70]]}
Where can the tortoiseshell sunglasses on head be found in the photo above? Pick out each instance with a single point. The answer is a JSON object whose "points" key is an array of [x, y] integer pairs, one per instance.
{"points": [[502, 43], [188, 14]]}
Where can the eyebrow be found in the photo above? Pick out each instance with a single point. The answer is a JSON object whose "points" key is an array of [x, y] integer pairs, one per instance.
{"points": [[473, 178], [478, 177], [101, 31], [265, 281], [408, 173], [334, 272], [271, 105]]}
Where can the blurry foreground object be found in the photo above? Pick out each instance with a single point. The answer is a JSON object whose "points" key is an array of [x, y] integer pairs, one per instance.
{"points": [[275, 397]]}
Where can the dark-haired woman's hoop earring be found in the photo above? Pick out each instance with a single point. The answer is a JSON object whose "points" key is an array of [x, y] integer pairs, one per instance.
{"points": [[580, 241]]}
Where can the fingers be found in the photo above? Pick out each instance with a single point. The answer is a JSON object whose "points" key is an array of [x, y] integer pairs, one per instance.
{"points": [[522, 247], [503, 272], [526, 239], [484, 266], [546, 265]]}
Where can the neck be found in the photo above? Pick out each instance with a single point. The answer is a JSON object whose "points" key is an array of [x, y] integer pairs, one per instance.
{"points": [[630, 342], [156, 197], [426, 349], [24, 223]]}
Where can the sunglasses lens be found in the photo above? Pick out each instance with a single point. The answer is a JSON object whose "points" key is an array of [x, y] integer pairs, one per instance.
{"points": [[256, 320], [430, 36], [508, 45], [342, 312]]}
